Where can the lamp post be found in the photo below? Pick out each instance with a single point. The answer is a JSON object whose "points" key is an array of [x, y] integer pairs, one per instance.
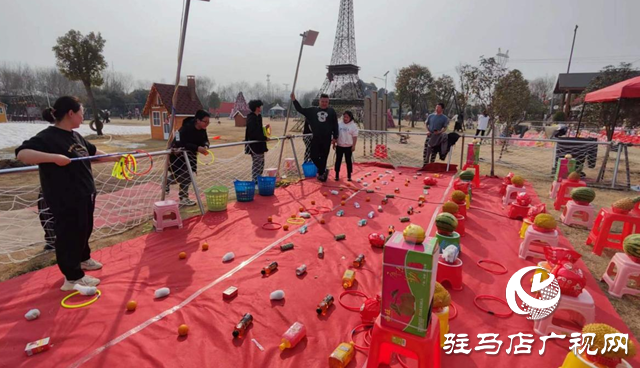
{"points": [[385, 81]]}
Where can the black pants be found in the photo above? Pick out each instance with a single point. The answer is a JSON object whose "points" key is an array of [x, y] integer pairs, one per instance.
{"points": [[73, 227], [257, 165], [47, 221], [346, 151], [320, 148], [180, 173], [480, 131]]}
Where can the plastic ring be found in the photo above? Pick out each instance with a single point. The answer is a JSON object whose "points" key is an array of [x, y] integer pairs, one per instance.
{"points": [[351, 292], [73, 306], [296, 221], [212, 159], [366, 328], [480, 262], [488, 311], [452, 307], [136, 167], [276, 226], [324, 209]]}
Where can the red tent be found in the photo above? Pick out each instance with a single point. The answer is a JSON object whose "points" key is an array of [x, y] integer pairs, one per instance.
{"points": [[625, 89]]}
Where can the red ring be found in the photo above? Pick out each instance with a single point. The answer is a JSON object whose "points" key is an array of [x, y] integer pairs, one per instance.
{"points": [[368, 329], [314, 213], [277, 225], [452, 307], [324, 209], [150, 164], [490, 270], [491, 297], [352, 292]]}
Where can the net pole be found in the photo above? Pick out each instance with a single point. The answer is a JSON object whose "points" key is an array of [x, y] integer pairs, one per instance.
{"points": [[193, 181]]}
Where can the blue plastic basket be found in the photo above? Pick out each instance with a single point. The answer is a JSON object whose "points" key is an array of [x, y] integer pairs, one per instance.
{"points": [[310, 170], [245, 190], [266, 185]]}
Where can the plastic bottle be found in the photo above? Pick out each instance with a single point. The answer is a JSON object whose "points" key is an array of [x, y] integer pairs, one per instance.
{"points": [[362, 222], [371, 214], [341, 357], [242, 326], [270, 268], [358, 261], [320, 252], [391, 229], [293, 336], [285, 247], [301, 270], [325, 304], [348, 278]]}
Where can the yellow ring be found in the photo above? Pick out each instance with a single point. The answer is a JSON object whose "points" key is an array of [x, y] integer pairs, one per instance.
{"points": [[212, 158], [73, 306], [296, 221]]}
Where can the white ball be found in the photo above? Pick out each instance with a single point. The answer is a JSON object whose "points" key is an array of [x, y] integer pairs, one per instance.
{"points": [[32, 314], [228, 257], [277, 295], [161, 293]]}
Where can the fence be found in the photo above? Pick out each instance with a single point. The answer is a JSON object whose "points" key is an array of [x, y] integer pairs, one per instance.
{"points": [[125, 204]]}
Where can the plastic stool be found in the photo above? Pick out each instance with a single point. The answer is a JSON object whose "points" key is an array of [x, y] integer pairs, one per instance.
{"points": [[444, 241], [166, 214], [564, 192], [461, 221], [578, 214], [582, 305], [512, 192], [577, 361], [627, 270], [553, 192], [451, 273], [532, 236], [517, 211], [272, 171], [476, 177], [600, 235], [525, 225], [462, 208], [386, 341]]}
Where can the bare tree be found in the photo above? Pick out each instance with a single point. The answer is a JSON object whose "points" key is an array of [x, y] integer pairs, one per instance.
{"points": [[204, 87], [542, 87]]}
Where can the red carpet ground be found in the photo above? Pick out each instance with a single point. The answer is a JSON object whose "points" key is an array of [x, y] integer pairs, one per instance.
{"points": [[104, 334]]}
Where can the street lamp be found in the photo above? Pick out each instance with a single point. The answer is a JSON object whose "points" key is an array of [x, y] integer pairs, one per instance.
{"points": [[385, 81]]}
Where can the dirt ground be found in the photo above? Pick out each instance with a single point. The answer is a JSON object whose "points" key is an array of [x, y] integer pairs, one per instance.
{"points": [[628, 307]]}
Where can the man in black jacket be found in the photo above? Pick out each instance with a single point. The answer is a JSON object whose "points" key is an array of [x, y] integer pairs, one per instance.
{"points": [[191, 137], [255, 132], [323, 122]]}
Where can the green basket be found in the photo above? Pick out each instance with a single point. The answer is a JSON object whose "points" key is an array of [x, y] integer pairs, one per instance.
{"points": [[217, 197]]}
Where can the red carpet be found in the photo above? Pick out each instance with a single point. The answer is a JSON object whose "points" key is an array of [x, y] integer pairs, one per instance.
{"points": [[135, 269]]}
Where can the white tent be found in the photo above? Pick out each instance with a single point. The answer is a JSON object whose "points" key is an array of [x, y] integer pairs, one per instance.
{"points": [[277, 107]]}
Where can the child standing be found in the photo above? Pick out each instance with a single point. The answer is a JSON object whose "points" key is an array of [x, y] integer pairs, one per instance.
{"points": [[67, 187], [346, 143]]}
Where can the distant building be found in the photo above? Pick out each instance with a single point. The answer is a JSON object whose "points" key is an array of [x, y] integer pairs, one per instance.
{"points": [[224, 110], [3, 112], [159, 104], [569, 84]]}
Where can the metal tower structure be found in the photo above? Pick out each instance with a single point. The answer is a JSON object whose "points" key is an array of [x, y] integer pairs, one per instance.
{"points": [[502, 58], [342, 84]]}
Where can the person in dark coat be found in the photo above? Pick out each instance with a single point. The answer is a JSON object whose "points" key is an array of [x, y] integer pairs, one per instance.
{"points": [[323, 123], [255, 132], [192, 137]]}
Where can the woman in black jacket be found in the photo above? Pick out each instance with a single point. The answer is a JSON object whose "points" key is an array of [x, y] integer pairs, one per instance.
{"points": [[255, 132]]}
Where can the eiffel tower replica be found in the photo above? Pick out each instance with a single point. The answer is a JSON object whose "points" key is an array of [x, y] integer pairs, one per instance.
{"points": [[342, 84]]}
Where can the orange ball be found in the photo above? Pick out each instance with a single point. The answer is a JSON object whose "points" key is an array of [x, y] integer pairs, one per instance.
{"points": [[368, 199], [205, 246], [374, 180], [324, 194], [183, 330], [322, 221], [285, 227], [301, 209], [182, 255], [392, 179], [344, 196], [294, 216], [342, 203], [406, 184], [132, 305], [269, 219], [313, 203]]}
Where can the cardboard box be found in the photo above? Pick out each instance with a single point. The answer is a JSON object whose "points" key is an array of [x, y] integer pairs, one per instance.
{"points": [[408, 283], [37, 346]]}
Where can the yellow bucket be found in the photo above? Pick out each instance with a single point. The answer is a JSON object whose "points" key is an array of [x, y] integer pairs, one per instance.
{"points": [[523, 229], [443, 317]]}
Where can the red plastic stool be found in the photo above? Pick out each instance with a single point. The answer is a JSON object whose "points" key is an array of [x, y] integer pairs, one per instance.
{"points": [[517, 211], [636, 209], [601, 237], [625, 269], [476, 177], [386, 341], [461, 221], [166, 214], [564, 192], [451, 273]]}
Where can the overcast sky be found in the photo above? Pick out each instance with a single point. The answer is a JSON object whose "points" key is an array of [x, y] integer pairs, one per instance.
{"points": [[235, 40]]}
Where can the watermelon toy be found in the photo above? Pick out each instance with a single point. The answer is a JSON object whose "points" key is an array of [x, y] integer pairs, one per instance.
{"points": [[574, 177], [376, 240], [545, 223], [631, 246], [610, 358], [583, 196], [458, 196], [467, 175], [446, 223], [625, 205], [517, 181], [450, 207], [414, 234]]}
